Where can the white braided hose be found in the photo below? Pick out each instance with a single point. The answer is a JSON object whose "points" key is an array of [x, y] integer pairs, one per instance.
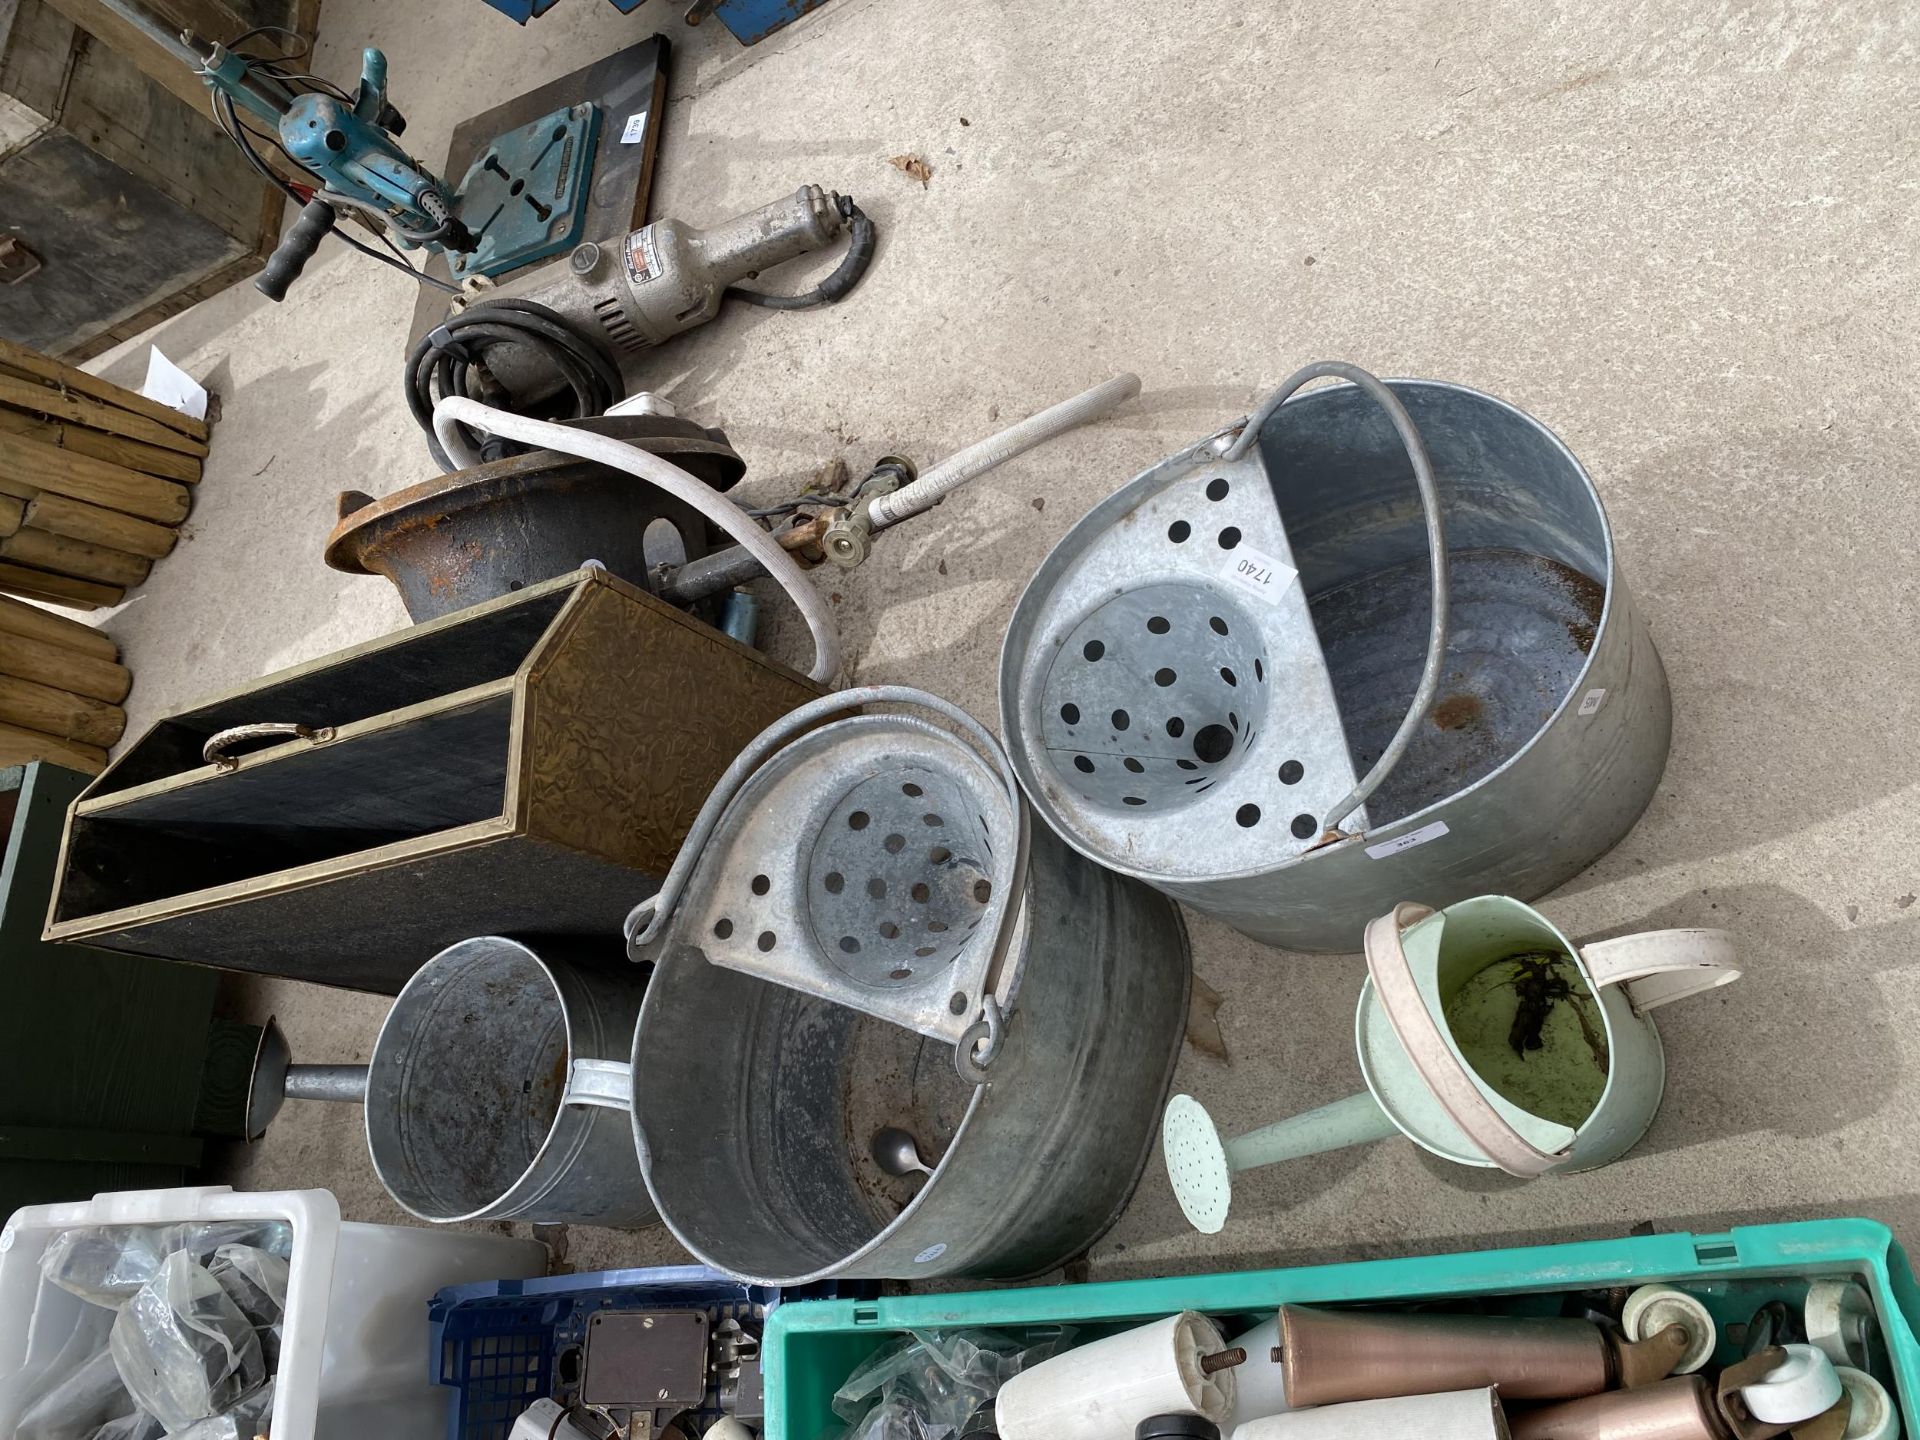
{"points": [[974, 461], [453, 411]]}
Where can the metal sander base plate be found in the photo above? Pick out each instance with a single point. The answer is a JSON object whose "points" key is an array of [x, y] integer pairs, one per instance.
{"points": [[645, 1360], [525, 197]]}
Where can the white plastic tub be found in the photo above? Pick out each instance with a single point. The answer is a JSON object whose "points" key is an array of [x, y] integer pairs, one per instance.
{"points": [[353, 1356]]}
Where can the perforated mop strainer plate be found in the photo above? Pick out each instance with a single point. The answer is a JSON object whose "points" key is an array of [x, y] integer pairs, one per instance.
{"points": [[1407, 581], [1163, 688], [874, 861]]}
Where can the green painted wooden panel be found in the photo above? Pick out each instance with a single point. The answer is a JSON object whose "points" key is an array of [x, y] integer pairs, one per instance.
{"points": [[96, 1049]]}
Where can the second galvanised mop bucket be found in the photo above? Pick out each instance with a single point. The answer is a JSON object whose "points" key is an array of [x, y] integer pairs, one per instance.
{"points": [[484, 1096], [893, 1029], [1371, 642]]}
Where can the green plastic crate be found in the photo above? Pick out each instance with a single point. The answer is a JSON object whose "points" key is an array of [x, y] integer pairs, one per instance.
{"points": [[812, 1346]]}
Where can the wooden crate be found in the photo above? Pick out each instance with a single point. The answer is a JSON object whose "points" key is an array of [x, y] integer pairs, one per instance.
{"points": [[526, 766], [114, 176]]}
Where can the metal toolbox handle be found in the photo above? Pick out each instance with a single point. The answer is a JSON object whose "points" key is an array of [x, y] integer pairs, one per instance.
{"points": [[214, 751]]}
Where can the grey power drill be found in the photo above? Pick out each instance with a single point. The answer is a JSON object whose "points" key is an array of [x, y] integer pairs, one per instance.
{"points": [[560, 335]]}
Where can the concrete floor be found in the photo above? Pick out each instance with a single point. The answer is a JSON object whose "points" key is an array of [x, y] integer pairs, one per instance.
{"points": [[1682, 236]]}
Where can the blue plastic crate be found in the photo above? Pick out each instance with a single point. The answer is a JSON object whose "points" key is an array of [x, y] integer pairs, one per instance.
{"points": [[749, 20], [500, 1343]]}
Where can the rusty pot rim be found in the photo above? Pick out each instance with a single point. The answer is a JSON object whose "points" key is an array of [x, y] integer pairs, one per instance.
{"points": [[456, 489]]}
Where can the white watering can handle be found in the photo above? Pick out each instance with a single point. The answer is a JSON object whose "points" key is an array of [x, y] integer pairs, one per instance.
{"points": [[1426, 1045], [1657, 967], [1653, 968]]}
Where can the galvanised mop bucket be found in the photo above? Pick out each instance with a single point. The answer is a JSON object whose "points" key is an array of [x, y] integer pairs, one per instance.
{"points": [[1371, 642], [484, 1093], [863, 936], [1487, 1037]]}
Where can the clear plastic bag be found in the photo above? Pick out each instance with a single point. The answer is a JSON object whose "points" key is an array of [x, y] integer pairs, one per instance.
{"points": [[249, 1418], [256, 1281], [106, 1264], [184, 1350], [137, 1426], [81, 1390], [896, 1419], [931, 1385]]}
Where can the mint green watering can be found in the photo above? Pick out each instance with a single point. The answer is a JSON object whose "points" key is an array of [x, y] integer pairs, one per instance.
{"points": [[1487, 1037]]}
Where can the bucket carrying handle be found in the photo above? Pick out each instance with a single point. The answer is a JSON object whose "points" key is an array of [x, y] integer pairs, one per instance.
{"points": [[1426, 1045], [982, 1041], [604, 1084], [1658, 967], [1429, 489]]}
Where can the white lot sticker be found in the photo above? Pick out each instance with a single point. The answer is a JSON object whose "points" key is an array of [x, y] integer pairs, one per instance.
{"points": [[636, 130], [1262, 574], [1593, 700], [1408, 840], [930, 1254]]}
